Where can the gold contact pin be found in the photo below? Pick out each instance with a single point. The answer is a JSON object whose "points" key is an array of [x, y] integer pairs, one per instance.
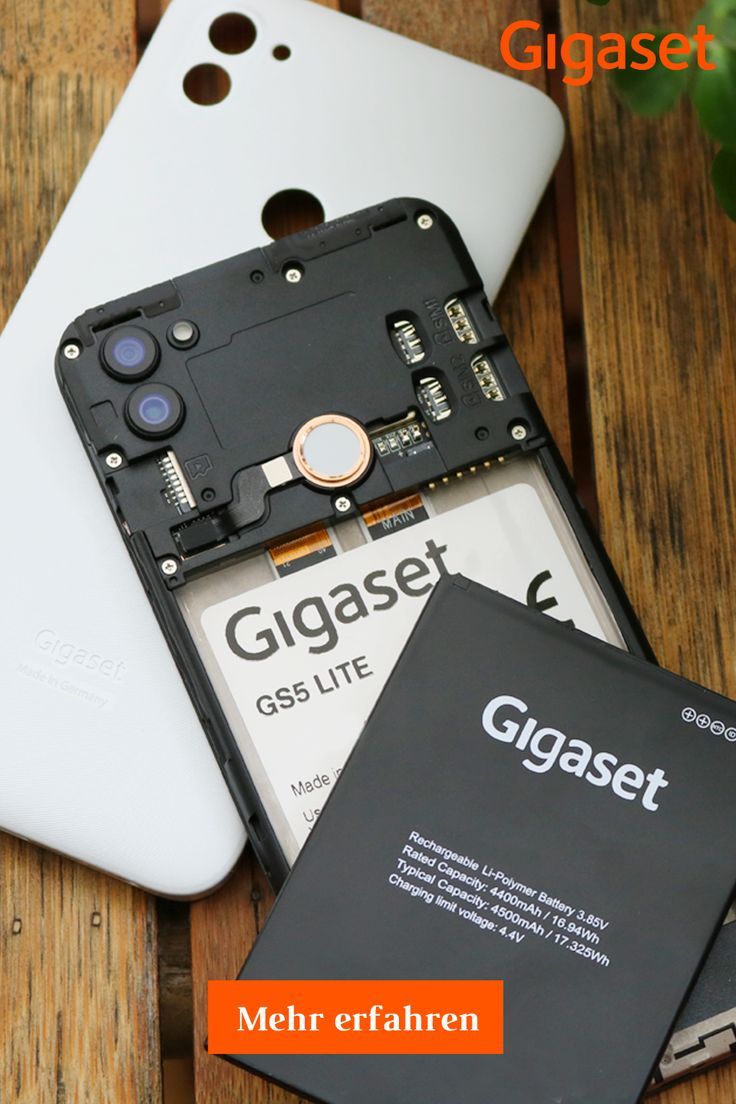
{"points": [[299, 547], [393, 509]]}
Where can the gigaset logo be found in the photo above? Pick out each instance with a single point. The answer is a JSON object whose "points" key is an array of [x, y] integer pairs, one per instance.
{"points": [[580, 52], [66, 654], [544, 748], [317, 620]]}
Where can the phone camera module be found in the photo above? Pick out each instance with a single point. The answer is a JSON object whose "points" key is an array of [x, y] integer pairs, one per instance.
{"points": [[130, 353], [154, 410]]}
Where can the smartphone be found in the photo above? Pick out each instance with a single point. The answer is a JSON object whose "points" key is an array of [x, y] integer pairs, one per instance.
{"points": [[296, 443]]}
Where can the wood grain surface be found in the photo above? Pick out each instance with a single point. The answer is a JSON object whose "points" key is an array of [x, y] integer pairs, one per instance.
{"points": [[79, 1011], [79, 1018], [659, 293], [659, 268], [63, 67]]}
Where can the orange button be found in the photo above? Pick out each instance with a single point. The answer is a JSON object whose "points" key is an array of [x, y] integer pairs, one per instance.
{"points": [[355, 1017]]}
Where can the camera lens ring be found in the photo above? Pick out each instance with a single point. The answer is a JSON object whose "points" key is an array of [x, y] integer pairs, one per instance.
{"points": [[129, 353], [154, 410]]}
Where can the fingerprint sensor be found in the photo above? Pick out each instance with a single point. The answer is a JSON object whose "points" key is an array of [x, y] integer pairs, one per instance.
{"points": [[332, 451]]}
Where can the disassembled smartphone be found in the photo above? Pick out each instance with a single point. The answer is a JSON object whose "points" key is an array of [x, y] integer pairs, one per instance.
{"points": [[296, 442]]}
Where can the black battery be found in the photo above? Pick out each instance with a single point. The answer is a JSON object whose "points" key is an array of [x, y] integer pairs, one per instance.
{"points": [[529, 804]]}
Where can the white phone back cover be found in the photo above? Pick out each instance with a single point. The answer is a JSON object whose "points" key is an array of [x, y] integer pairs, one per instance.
{"points": [[103, 756]]}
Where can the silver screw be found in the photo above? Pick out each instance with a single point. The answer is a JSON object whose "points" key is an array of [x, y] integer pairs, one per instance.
{"points": [[425, 221], [169, 567], [342, 504], [71, 351], [293, 275], [518, 432], [113, 460]]}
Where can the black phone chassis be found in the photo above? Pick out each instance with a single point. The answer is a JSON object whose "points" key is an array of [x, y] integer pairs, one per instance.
{"points": [[259, 426]]}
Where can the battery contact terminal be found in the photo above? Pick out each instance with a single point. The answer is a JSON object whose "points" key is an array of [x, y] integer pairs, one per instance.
{"points": [[472, 470], [487, 379], [460, 321]]}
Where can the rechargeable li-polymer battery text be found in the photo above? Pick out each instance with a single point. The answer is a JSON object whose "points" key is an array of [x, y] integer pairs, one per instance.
{"points": [[529, 804]]}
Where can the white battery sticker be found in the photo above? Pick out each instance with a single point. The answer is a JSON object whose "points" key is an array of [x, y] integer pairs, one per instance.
{"points": [[305, 657]]}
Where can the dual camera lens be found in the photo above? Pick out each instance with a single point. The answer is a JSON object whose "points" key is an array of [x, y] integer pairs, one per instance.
{"points": [[154, 410], [129, 354]]}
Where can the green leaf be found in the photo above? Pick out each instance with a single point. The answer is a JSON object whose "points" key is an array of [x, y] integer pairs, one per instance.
{"points": [[599, 3], [649, 91], [713, 92], [714, 11], [723, 175], [719, 19]]}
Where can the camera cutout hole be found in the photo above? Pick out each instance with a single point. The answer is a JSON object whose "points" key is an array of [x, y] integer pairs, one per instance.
{"points": [[206, 84], [289, 211], [233, 33], [281, 53]]}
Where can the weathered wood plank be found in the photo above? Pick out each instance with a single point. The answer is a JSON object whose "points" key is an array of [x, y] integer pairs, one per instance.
{"points": [[659, 263], [78, 958], [63, 68], [659, 285], [79, 1016]]}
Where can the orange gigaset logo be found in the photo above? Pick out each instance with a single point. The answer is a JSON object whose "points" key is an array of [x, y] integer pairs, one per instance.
{"points": [[580, 53]]}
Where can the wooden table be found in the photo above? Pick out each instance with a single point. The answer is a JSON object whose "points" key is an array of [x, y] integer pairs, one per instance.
{"points": [[623, 296]]}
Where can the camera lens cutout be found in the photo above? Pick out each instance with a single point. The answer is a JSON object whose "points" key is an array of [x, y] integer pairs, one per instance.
{"points": [[154, 410], [129, 353]]}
